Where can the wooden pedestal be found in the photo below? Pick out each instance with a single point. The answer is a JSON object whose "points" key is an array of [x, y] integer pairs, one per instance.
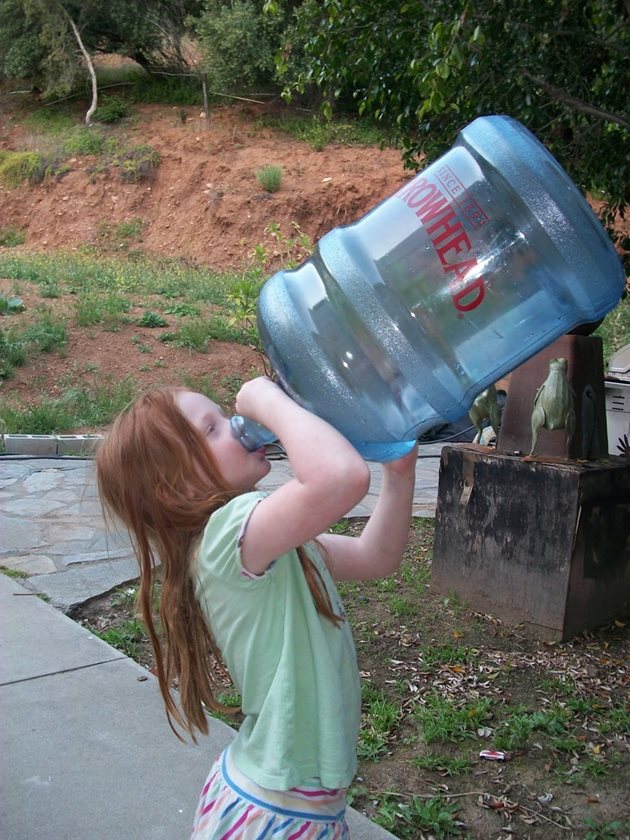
{"points": [[545, 545]]}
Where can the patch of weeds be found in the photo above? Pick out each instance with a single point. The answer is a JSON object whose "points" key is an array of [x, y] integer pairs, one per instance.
{"points": [[319, 132], [615, 329], [269, 177], [410, 820], [16, 574], [514, 732], [41, 336], [197, 333], [51, 120], [130, 228], [400, 606], [79, 407], [112, 109], [51, 289], [442, 764], [106, 309], [140, 346], [448, 655], [379, 717], [152, 320], [183, 310], [11, 236], [137, 164], [616, 722], [125, 637], [126, 597], [232, 385], [292, 249], [604, 831], [166, 90], [84, 141], [442, 720], [242, 301], [18, 167]]}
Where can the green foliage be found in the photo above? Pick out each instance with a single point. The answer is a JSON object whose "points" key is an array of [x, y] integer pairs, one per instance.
{"points": [[152, 319], [319, 131], [125, 637], [78, 407], [137, 164], [410, 819], [167, 90], [37, 42], [442, 764], [379, 718], [615, 329], [269, 177], [17, 167], [111, 109], [43, 335], [11, 305], [426, 70], [515, 731], [11, 236], [442, 720], [238, 44]]}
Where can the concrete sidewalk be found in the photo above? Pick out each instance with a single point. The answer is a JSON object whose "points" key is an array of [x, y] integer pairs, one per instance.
{"points": [[87, 753]]}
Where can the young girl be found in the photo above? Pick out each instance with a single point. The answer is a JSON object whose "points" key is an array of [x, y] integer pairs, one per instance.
{"points": [[247, 580]]}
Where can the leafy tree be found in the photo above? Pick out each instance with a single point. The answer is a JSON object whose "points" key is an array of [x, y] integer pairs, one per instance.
{"points": [[238, 43], [428, 67], [37, 41]]}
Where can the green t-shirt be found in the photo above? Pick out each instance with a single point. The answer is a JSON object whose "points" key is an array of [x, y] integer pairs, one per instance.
{"points": [[296, 671]]}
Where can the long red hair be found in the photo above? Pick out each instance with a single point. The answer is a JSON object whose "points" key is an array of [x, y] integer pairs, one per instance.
{"points": [[157, 474]]}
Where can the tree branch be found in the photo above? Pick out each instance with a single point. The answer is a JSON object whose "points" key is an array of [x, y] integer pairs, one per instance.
{"points": [[88, 61], [561, 96]]}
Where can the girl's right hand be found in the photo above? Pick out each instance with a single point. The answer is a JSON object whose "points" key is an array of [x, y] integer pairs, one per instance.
{"points": [[256, 394]]}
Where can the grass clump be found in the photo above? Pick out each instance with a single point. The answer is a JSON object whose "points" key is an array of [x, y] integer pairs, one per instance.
{"points": [[18, 167], [152, 320], [269, 177], [126, 637], [320, 132], [11, 236], [17, 344], [379, 718], [137, 164], [442, 720], [78, 407]]}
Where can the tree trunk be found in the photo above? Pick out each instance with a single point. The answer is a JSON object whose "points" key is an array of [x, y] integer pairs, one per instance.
{"points": [[88, 61]]}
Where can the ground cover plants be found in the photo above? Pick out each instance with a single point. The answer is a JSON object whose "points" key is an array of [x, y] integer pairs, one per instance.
{"points": [[441, 683]]}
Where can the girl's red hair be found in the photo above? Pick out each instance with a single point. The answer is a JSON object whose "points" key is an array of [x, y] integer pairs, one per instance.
{"points": [[157, 474]]}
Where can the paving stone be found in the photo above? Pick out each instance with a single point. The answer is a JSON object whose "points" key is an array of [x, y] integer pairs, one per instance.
{"points": [[73, 587], [16, 534], [31, 564], [43, 480], [32, 507]]}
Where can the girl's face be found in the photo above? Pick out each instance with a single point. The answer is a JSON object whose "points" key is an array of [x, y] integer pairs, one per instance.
{"points": [[240, 468]]}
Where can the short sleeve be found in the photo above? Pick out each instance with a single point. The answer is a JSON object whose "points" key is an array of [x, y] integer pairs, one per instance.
{"points": [[220, 549]]}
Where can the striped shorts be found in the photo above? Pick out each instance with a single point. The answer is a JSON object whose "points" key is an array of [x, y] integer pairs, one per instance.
{"points": [[232, 807]]}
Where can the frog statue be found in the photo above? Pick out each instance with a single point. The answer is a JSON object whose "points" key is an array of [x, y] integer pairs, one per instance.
{"points": [[553, 403], [486, 407]]}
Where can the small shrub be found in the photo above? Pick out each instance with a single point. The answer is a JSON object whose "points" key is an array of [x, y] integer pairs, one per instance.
{"points": [[17, 167], [269, 177], [112, 110], [10, 306], [84, 141], [137, 164], [10, 237], [152, 319]]}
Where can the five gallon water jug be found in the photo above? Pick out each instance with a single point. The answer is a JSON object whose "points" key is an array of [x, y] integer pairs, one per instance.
{"points": [[398, 321]]}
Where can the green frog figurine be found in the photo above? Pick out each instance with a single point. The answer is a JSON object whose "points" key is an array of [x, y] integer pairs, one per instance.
{"points": [[486, 407], [553, 403]]}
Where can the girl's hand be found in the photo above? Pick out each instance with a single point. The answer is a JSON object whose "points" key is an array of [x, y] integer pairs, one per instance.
{"points": [[255, 393]]}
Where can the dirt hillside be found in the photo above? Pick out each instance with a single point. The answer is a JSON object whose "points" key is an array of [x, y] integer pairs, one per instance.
{"points": [[204, 202]]}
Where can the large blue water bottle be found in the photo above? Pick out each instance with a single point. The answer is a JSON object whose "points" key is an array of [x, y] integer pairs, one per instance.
{"points": [[398, 321]]}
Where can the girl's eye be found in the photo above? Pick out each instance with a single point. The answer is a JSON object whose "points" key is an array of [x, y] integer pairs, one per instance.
{"points": [[209, 430]]}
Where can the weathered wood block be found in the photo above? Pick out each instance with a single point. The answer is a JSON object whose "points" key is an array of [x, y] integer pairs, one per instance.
{"points": [[542, 544]]}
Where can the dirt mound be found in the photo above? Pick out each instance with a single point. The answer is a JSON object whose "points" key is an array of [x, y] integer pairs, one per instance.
{"points": [[204, 202]]}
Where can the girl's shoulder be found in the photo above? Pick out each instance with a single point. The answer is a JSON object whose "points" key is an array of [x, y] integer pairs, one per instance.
{"points": [[220, 543]]}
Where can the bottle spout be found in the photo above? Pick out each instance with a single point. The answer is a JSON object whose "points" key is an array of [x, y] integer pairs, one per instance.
{"points": [[249, 434]]}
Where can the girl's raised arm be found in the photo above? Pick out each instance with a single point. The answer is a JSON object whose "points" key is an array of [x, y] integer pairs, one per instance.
{"points": [[330, 476], [379, 549]]}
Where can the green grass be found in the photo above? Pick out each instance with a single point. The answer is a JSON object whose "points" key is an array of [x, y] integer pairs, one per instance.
{"points": [[11, 236], [269, 177], [78, 407], [319, 132], [108, 309], [412, 817], [515, 731], [380, 717], [197, 333], [18, 342], [442, 764], [125, 637], [18, 167], [88, 271], [13, 573], [443, 720]]}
